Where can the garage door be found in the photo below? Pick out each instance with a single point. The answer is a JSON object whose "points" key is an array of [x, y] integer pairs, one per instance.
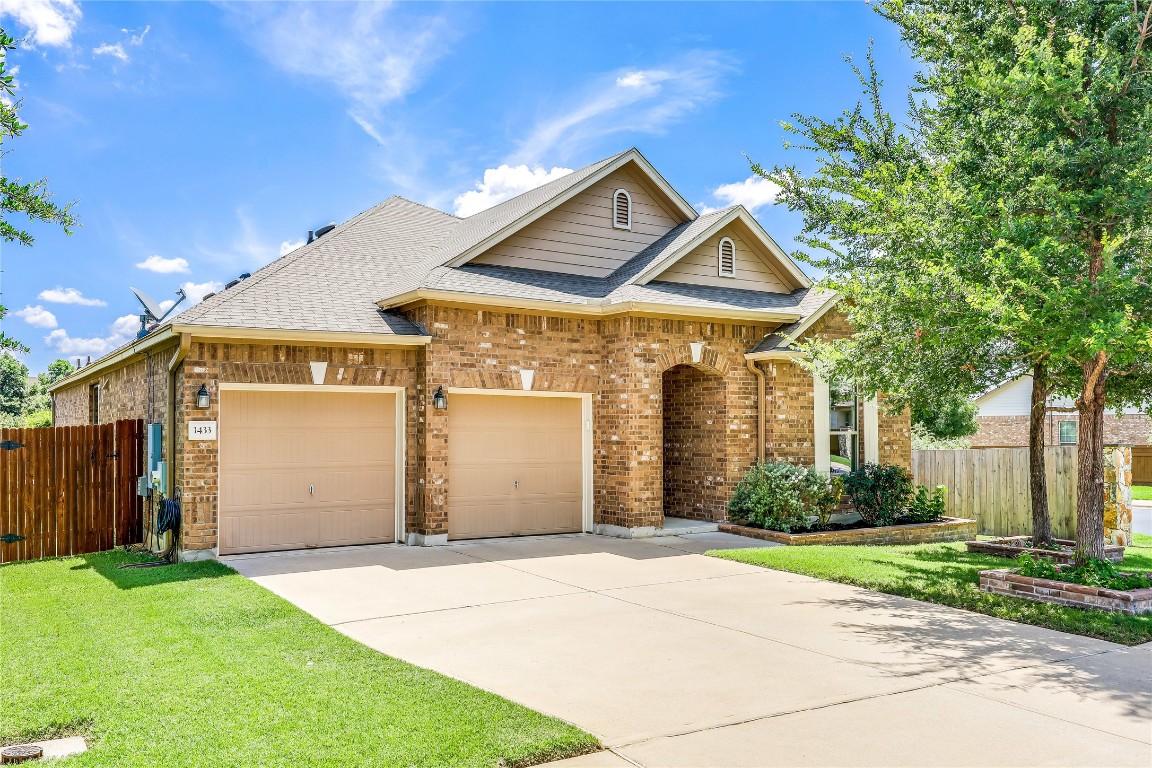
{"points": [[514, 465], [306, 469]]}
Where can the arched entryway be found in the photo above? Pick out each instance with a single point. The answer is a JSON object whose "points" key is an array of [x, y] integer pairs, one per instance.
{"points": [[695, 449]]}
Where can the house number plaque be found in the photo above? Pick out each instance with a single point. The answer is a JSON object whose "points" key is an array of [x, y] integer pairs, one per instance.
{"points": [[201, 430]]}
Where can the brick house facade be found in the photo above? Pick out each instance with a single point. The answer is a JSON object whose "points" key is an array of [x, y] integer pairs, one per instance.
{"points": [[674, 387]]}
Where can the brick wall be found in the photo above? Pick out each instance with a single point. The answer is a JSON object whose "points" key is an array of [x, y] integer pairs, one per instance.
{"points": [[696, 483], [1010, 431], [136, 390]]}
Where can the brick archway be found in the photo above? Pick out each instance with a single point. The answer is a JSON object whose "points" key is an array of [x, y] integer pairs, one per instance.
{"points": [[694, 418]]}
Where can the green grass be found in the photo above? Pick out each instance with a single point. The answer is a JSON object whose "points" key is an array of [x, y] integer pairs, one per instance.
{"points": [[194, 665], [1142, 492], [947, 574]]}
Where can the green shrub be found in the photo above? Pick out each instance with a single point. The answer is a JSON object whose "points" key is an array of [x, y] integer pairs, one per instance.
{"points": [[926, 507], [879, 492], [1094, 573], [781, 497]]}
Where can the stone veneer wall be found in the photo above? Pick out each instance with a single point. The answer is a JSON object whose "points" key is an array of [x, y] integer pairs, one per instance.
{"points": [[1118, 495], [1012, 431], [696, 483]]}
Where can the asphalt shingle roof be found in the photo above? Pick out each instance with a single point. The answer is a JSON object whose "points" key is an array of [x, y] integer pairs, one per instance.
{"points": [[334, 283]]}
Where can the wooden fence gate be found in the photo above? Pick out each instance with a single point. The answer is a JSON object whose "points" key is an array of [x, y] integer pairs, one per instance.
{"points": [[70, 490], [1142, 465]]}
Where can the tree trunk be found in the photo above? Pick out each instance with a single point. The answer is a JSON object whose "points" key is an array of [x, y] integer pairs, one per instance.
{"points": [[1090, 461], [1037, 475]]}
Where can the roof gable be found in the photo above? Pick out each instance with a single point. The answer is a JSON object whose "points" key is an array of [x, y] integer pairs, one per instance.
{"points": [[738, 223], [580, 237], [756, 269]]}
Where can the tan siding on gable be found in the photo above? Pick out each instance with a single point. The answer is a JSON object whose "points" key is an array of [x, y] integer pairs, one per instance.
{"points": [[578, 237], [699, 267]]}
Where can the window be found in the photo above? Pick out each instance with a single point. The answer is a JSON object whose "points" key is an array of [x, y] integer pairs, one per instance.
{"points": [[622, 209], [1067, 433], [94, 404], [726, 258], [842, 427]]}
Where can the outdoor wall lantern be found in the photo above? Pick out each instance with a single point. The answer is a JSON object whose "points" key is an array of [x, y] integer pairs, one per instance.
{"points": [[203, 399], [439, 399]]}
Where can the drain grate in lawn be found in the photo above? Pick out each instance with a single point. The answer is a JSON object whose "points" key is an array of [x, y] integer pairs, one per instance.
{"points": [[948, 575], [195, 665]]}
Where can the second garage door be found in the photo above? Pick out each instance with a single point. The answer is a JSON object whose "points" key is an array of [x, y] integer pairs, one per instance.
{"points": [[306, 469], [514, 465]]}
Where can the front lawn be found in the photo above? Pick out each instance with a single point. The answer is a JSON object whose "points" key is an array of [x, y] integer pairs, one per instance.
{"points": [[1142, 492], [947, 574], [194, 665]]}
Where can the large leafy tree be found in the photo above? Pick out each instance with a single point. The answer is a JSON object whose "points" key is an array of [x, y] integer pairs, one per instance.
{"points": [[1008, 227], [31, 200]]}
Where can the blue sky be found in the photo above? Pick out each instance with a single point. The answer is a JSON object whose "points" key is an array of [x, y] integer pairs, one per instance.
{"points": [[200, 140]]}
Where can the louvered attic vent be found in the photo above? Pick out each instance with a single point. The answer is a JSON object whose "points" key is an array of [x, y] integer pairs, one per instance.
{"points": [[621, 209], [726, 260]]}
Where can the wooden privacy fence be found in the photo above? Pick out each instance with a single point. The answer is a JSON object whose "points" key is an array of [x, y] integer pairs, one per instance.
{"points": [[70, 490], [990, 485], [1142, 465]]}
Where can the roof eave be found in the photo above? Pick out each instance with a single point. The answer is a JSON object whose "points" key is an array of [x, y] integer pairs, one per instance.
{"points": [[128, 351]]}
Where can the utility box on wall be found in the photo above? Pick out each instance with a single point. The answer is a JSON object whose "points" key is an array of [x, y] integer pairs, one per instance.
{"points": [[154, 448]]}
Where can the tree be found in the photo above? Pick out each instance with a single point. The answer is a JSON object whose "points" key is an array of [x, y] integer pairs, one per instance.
{"points": [[37, 407], [13, 386], [1014, 212], [954, 417], [33, 199]]}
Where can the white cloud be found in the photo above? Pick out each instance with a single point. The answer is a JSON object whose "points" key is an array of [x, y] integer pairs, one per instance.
{"points": [[163, 266], [49, 22], [59, 295], [628, 101], [110, 49], [137, 39], [121, 331], [197, 291], [37, 316], [287, 247], [372, 53], [503, 183], [753, 193]]}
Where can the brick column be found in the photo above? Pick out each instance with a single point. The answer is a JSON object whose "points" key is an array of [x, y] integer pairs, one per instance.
{"points": [[1118, 495]]}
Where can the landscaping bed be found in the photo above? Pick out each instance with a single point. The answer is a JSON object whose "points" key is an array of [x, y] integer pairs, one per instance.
{"points": [[1008, 582], [947, 574], [194, 665], [1014, 546], [946, 529]]}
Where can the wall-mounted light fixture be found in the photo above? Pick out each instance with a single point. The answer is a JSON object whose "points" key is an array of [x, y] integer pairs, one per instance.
{"points": [[439, 399], [203, 399]]}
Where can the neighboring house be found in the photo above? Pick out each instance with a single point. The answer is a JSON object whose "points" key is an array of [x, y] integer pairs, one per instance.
{"points": [[592, 355], [1003, 419]]}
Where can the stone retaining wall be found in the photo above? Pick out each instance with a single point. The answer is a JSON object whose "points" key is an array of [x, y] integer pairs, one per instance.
{"points": [[948, 529], [1012, 584]]}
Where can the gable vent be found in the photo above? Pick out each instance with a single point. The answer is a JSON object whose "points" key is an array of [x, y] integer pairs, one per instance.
{"points": [[726, 258], [621, 209]]}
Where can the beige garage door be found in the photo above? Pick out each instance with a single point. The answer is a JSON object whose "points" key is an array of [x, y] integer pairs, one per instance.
{"points": [[306, 469], [514, 465]]}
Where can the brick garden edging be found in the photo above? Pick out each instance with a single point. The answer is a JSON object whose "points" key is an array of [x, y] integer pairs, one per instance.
{"points": [[1012, 584], [1010, 546], [947, 529]]}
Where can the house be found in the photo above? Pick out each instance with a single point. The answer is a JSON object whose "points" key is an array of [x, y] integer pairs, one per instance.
{"points": [[1003, 419], [593, 355]]}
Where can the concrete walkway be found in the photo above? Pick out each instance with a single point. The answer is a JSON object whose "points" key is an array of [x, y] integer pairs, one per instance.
{"points": [[676, 659]]}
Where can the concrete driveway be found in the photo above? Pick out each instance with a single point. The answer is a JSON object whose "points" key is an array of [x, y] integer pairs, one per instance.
{"points": [[676, 659]]}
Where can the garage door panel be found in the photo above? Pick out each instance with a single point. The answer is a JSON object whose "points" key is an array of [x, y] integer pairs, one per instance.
{"points": [[515, 465], [275, 444]]}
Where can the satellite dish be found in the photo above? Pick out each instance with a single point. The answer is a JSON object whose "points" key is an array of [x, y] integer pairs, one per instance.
{"points": [[149, 304], [153, 314]]}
